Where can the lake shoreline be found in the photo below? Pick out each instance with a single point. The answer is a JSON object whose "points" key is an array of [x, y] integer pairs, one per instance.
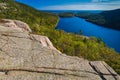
{"points": [[105, 26], [99, 32]]}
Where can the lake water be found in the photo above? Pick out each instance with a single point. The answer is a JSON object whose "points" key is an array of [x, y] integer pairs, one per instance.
{"points": [[109, 36]]}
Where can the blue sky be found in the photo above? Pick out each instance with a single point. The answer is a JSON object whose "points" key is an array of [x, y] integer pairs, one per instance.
{"points": [[73, 4]]}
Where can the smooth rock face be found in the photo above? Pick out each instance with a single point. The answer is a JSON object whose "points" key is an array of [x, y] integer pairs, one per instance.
{"points": [[24, 56]]}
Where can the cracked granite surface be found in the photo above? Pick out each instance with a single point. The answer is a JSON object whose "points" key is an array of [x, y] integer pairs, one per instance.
{"points": [[24, 56]]}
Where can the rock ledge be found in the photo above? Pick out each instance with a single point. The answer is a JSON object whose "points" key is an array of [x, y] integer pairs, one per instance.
{"points": [[25, 56]]}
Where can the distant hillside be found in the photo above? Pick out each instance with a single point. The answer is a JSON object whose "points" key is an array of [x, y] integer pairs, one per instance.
{"points": [[112, 18], [14, 10], [109, 19]]}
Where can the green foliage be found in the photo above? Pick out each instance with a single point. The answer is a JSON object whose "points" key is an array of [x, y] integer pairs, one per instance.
{"points": [[81, 32], [27, 14], [71, 44]]}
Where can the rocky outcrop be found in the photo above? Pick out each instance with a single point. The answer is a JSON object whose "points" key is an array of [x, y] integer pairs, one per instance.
{"points": [[16, 24], [3, 5], [24, 56]]}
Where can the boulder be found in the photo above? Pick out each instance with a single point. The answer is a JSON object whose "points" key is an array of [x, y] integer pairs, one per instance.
{"points": [[26, 56]]}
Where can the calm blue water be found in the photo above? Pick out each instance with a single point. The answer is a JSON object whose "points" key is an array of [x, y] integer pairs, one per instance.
{"points": [[110, 37]]}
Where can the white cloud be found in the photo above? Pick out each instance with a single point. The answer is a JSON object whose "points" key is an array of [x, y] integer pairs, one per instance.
{"points": [[83, 7], [96, 0], [103, 1], [94, 5]]}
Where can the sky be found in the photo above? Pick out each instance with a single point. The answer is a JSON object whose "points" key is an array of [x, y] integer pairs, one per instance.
{"points": [[73, 4]]}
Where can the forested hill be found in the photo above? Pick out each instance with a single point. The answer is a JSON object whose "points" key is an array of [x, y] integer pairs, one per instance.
{"points": [[109, 19], [11, 9], [112, 18]]}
